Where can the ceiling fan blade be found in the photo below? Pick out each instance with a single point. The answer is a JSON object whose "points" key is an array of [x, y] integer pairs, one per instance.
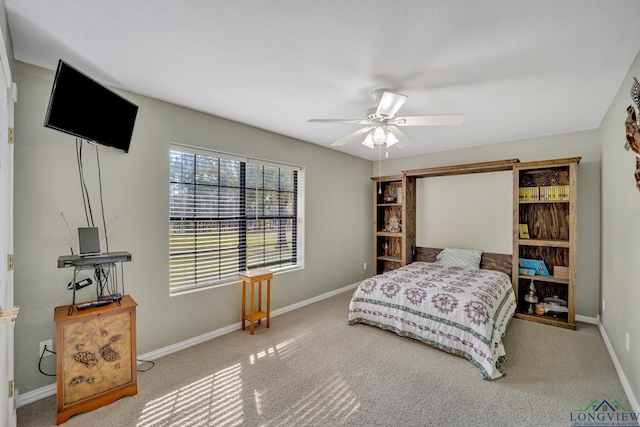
{"points": [[351, 136], [356, 121], [432, 120], [403, 140], [390, 103]]}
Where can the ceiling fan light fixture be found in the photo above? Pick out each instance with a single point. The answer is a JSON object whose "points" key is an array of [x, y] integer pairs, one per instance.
{"points": [[391, 139], [379, 135], [368, 141]]}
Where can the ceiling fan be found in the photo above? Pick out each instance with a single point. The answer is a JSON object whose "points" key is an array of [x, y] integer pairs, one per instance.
{"points": [[382, 124]]}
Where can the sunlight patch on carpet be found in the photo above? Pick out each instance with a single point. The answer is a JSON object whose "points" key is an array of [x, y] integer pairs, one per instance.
{"points": [[281, 351], [332, 401], [213, 400]]}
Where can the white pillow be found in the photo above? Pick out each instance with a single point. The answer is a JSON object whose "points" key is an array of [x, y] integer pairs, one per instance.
{"points": [[463, 258]]}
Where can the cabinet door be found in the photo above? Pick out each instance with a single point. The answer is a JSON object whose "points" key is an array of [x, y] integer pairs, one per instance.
{"points": [[97, 356]]}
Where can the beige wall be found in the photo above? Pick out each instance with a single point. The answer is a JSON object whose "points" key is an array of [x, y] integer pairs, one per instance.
{"points": [[337, 223], [446, 219], [621, 237], [584, 144]]}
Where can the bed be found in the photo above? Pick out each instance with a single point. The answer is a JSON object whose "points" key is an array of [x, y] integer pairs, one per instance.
{"points": [[457, 300]]}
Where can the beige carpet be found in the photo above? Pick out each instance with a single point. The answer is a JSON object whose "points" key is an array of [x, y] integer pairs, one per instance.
{"points": [[312, 369]]}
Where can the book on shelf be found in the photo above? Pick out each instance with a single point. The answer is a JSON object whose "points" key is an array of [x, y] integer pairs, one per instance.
{"points": [[523, 230], [534, 264], [546, 193], [554, 192], [543, 267], [528, 194], [526, 271]]}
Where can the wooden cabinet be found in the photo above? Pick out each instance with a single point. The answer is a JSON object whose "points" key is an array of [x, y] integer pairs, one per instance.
{"points": [[96, 356], [544, 239], [394, 221]]}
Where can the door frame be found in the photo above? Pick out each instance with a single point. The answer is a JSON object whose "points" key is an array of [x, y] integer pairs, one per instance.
{"points": [[8, 94]]}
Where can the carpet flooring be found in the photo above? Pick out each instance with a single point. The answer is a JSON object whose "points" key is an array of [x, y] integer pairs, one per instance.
{"points": [[311, 369]]}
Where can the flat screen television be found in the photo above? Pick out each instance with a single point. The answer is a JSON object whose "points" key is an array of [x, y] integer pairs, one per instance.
{"points": [[82, 107]]}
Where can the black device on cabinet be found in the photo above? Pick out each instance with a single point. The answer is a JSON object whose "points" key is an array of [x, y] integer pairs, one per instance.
{"points": [[82, 107]]}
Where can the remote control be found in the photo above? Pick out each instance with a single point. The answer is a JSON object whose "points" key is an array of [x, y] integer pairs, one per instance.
{"points": [[92, 304], [81, 284], [113, 297]]}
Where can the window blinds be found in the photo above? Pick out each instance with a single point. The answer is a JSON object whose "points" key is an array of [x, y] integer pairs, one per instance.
{"points": [[229, 214]]}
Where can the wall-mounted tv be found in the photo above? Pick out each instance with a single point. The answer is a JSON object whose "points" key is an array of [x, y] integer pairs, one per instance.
{"points": [[82, 107]]}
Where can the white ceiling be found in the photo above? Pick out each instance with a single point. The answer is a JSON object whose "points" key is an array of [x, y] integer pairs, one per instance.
{"points": [[515, 68]]}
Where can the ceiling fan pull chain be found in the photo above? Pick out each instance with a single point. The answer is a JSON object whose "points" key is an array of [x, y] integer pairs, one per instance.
{"points": [[379, 169]]}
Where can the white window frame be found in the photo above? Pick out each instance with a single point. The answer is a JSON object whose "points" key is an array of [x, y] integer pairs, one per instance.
{"points": [[231, 276]]}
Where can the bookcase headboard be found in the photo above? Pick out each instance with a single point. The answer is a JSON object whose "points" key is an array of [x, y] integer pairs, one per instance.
{"points": [[489, 261]]}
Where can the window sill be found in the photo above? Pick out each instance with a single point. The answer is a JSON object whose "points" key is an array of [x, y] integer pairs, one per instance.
{"points": [[231, 281]]}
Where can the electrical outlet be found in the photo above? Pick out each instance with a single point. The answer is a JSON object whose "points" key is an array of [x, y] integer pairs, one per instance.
{"points": [[626, 341], [365, 265], [49, 344]]}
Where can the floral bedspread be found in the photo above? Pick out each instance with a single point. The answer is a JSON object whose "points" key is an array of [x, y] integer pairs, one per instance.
{"points": [[463, 312]]}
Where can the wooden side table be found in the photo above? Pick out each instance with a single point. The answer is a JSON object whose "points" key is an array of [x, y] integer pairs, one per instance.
{"points": [[251, 277]]}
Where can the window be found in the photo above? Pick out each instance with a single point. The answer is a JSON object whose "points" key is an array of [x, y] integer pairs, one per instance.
{"points": [[229, 214]]}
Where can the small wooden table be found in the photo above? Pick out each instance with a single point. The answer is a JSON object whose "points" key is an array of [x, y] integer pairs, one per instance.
{"points": [[252, 277]]}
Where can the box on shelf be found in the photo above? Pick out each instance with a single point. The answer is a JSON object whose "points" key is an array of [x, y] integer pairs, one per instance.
{"points": [[561, 271]]}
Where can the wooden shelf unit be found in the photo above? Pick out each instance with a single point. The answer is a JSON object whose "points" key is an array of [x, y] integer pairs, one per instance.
{"points": [[552, 231], [399, 244], [402, 243]]}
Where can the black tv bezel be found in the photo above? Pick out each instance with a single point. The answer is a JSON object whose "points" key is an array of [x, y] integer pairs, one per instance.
{"points": [[62, 65]]}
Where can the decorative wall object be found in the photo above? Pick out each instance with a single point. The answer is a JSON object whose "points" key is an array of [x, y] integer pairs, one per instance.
{"points": [[632, 129]]}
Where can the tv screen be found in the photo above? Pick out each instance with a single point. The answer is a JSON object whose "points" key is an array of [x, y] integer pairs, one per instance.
{"points": [[82, 107]]}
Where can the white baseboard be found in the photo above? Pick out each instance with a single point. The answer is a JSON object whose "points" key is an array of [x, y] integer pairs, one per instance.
{"points": [[623, 378], [49, 390], [587, 319], [34, 395]]}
